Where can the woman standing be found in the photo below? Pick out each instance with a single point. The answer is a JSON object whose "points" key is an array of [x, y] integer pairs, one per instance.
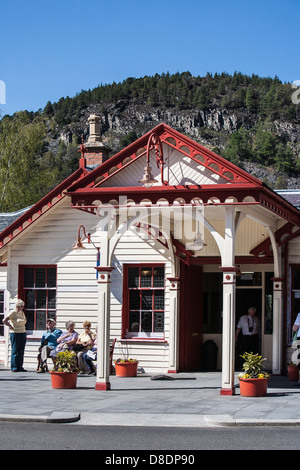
{"points": [[16, 322]]}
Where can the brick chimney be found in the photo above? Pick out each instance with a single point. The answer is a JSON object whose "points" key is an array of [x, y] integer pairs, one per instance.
{"points": [[95, 152]]}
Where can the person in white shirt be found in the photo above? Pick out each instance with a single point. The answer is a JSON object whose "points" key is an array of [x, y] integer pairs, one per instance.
{"points": [[248, 332]]}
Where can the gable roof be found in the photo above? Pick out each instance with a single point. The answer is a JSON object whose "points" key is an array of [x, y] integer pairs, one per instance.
{"points": [[185, 148], [118, 176], [34, 212], [226, 179]]}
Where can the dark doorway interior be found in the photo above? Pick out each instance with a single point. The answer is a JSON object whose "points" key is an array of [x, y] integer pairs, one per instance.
{"points": [[246, 298], [191, 319]]}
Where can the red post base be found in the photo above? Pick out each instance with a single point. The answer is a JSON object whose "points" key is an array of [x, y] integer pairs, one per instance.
{"points": [[102, 386], [227, 391]]}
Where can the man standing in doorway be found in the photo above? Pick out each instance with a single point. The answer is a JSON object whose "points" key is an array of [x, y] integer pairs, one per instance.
{"points": [[249, 327]]}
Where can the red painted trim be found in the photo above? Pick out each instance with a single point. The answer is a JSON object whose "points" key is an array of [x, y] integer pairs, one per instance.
{"points": [[22, 290], [85, 196], [125, 300], [201, 260], [104, 269], [164, 132], [102, 386], [293, 312], [58, 192], [227, 391], [232, 269]]}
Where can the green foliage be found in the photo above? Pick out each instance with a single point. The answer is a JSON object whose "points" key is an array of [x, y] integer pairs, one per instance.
{"points": [[267, 96], [29, 170], [65, 361], [24, 177], [253, 366], [238, 147]]}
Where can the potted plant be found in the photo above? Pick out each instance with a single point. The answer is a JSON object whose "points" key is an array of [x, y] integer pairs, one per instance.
{"points": [[253, 382], [64, 372], [126, 367], [293, 371]]}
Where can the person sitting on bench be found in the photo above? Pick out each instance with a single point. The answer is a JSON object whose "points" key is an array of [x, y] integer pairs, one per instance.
{"points": [[48, 343]]}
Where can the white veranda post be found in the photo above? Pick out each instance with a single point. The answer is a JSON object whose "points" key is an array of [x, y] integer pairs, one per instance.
{"points": [[229, 295], [103, 333]]}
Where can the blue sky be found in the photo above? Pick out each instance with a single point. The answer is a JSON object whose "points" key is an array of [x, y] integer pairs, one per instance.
{"points": [[50, 49]]}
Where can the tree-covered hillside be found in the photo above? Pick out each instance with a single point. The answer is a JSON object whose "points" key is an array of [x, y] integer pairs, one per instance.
{"points": [[248, 120]]}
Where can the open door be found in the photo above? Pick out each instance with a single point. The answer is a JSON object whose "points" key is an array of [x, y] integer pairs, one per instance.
{"points": [[190, 335], [246, 298]]}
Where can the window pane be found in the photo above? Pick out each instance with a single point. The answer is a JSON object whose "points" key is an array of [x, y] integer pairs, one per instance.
{"points": [[159, 300], [146, 321], [1, 295], [147, 300], [296, 278], [249, 279], [51, 277], [1, 307], [134, 320], [41, 299], [28, 277], [51, 299], [40, 277], [134, 300], [30, 320], [29, 299], [146, 276], [158, 322], [133, 277], [158, 277], [41, 320], [38, 299], [1, 327], [51, 314]]}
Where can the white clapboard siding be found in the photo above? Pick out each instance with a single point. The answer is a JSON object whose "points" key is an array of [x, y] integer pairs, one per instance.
{"points": [[249, 235], [294, 251], [2, 351], [178, 170], [51, 242]]}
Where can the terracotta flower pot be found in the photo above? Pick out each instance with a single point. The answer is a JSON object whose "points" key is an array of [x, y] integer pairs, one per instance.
{"points": [[293, 373], [126, 369], [253, 387], [63, 379]]}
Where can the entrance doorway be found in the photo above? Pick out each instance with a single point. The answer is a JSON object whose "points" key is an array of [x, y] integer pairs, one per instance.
{"points": [[246, 298], [191, 318]]}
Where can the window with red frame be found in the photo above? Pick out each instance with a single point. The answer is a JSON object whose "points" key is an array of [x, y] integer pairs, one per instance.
{"points": [[38, 290], [144, 293]]}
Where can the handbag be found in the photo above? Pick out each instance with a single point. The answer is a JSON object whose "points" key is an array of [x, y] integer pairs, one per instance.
{"points": [[78, 347]]}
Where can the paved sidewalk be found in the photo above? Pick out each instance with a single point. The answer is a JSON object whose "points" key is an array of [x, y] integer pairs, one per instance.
{"points": [[192, 400]]}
